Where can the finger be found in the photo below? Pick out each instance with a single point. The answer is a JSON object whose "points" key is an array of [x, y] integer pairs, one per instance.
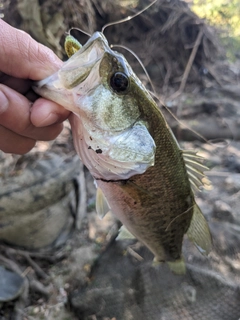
{"points": [[15, 116], [45, 112], [23, 86], [18, 84], [11, 142], [23, 57]]}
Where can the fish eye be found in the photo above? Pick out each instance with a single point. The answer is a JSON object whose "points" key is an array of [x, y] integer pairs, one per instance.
{"points": [[119, 82]]}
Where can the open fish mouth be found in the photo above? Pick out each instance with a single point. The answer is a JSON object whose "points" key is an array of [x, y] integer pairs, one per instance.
{"points": [[96, 84], [80, 67]]}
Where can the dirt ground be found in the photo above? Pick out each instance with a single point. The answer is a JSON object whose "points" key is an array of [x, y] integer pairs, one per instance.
{"points": [[94, 277]]}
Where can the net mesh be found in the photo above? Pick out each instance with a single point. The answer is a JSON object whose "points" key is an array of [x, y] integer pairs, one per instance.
{"points": [[124, 285], [121, 285]]}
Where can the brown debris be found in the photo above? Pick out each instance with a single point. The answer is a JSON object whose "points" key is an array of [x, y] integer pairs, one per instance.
{"points": [[165, 37]]}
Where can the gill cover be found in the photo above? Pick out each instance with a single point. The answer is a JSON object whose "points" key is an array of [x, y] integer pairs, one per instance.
{"points": [[98, 86]]}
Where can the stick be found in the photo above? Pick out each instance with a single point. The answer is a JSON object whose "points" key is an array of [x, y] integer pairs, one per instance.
{"points": [[188, 67], [82, 206], [32, 263], [48, 256]]}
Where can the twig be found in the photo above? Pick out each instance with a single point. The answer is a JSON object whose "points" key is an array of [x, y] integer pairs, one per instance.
{"points": [[82, 206], [49, 256], [215, 76], [32, 263], [11, 265], [37, 286], [221, 173], [134, 254], [188, 68], [167, 76], [21, 302], [36, 267]]}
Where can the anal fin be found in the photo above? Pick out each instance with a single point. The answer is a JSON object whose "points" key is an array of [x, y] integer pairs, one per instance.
{"points": [[124, 234], [102, 206], [198, 231]]}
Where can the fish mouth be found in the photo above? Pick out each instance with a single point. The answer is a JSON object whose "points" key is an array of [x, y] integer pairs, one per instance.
{"points": [[58, 87]]}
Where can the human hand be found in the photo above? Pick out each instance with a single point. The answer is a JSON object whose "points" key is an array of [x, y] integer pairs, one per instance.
{"points": [[25, 118]]}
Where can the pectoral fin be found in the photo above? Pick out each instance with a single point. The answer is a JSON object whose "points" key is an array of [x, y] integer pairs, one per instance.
{"points": [[124, 234], [102, 206], [199, 232]]}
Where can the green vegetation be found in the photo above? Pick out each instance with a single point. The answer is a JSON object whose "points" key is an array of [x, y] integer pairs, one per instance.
{"points": [[221, 13], [224, 14]]}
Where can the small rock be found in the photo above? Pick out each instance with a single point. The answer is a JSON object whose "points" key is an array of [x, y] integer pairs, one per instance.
{"points": [[11, 285], [232, 183], [222, 211], [36, 310]]}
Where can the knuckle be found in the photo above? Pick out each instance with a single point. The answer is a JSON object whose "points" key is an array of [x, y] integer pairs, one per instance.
{"points": [[19, 149], [54, 132]]}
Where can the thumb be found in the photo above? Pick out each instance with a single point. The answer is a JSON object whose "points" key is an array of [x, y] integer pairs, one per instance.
{"points": [[23, 57]]}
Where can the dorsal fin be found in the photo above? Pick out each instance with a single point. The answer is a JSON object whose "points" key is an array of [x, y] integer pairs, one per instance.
{"points": [[195, 169], [102, 206]]}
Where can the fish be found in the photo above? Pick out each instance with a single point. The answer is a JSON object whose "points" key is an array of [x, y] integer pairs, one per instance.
{"points": [[142, 175]]}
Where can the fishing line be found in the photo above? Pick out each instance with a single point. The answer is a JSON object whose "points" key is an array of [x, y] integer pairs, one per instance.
{"points": [[178, 216], [139, 61], [154, 93], [221, 143], [128, 18], [114, 22], [118, 22], [78, 29], [218, 142]]}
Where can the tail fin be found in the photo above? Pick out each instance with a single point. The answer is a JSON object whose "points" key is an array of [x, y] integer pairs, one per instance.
{"points": [[177, 267]]}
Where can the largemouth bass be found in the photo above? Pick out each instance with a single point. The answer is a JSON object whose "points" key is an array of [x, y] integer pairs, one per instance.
{"points": [[121, 136]]}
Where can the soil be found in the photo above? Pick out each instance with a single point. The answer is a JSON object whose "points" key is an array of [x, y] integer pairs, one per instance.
{"points": [[95, 277]]}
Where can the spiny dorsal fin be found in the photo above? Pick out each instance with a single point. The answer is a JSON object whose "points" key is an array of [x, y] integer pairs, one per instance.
{"points": [[195, 169], [102, 206], [198, 231], [124, 234]]}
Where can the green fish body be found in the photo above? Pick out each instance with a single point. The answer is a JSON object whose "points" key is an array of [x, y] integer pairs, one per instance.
{"points": [[120, 134]]}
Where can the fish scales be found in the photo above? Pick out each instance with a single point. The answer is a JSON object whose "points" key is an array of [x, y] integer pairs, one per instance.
{"points": [[157, 198], [123, 139]]}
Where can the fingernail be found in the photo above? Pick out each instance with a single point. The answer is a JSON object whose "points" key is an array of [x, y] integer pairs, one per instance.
{"points": [[52, 118], [3, 102]]}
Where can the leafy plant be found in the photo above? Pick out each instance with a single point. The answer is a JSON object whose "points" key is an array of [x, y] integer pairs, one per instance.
{"points": [[224, 14]]}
